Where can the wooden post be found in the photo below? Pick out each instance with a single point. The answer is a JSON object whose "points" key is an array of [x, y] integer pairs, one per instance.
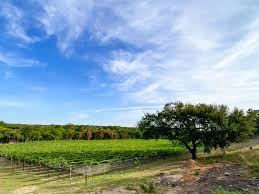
{"points": [[59, 171], [48, 170], [70, 172], [86, 174], [23, 165], [11, 160]]}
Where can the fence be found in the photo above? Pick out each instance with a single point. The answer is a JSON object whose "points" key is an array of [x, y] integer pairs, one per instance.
{"points": [[84, 171]]}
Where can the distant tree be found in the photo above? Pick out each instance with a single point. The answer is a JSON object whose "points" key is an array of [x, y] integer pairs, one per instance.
{"points": [[256, 114], [25, 132], [212, 126], [86, 134], [89, 134], [2, 123]]}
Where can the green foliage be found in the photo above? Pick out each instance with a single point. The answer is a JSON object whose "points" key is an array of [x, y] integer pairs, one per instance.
{"points": [[21, 132], [147, 187], [212, 126], [78, 152], [256, 114], [222, 191]]}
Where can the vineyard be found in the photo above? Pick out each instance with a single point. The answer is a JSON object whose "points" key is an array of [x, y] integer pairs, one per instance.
{"points": [[79, 152]]}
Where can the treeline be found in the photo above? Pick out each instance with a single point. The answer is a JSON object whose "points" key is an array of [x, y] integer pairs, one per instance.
{"points": [[24, 132]]}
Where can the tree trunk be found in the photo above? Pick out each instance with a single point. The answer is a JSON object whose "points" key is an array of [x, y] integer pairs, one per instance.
{"points": [[192, 150], [194, 156]]}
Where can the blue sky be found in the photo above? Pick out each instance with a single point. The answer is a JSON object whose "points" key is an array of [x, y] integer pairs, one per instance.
{"points": [[108, 62]]}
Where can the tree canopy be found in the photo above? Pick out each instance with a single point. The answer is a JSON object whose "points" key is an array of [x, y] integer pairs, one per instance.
{"points": [[213, 126], [26, 132]]}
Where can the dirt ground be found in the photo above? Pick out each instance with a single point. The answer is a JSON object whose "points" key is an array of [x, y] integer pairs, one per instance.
{"points": [[204, 179], [25, 190]]}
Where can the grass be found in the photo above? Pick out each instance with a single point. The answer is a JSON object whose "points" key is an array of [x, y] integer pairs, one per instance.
{"points": [[221, 191], [13, 178], [136, 178], [73, 153]]}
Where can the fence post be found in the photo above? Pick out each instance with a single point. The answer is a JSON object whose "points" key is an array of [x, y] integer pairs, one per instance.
{"points": [[70, 172], [59, 166], [86, 174], [48, 170]]}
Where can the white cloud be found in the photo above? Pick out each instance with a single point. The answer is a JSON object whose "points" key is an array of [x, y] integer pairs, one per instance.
{"points": [[15, 60], [190, 51], [202, 52], [139, 108], [124, 116], [66, 19], [15, 23], [8, 74]]}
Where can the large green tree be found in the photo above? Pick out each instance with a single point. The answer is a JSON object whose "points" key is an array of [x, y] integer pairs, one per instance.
{"points": [[212, 126]]}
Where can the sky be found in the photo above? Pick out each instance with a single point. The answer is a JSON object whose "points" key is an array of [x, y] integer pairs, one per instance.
{"points": [[109, 62]]}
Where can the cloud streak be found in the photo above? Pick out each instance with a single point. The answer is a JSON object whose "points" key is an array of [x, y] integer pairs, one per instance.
{"points": [[15, 60], [15, 23], [186, 50], [121, 109], [155, 51]]}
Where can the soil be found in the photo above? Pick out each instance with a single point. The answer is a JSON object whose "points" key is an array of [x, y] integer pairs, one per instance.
{"points": [[25, 190], [204, 179]]}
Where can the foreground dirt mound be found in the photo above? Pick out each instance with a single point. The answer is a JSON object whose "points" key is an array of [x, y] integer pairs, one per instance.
{"points": [[229, 176], [191, 164]]}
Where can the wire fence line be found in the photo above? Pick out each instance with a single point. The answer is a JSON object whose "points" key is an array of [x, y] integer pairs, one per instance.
{"points": [[85, 171]]}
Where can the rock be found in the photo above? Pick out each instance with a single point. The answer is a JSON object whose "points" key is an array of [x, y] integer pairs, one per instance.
{"points": [[169, 180], [226, 174], [203, 178], [160, 174]]}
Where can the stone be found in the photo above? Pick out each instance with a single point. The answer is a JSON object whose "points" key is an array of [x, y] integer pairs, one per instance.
{"points": [[169, 180], [226, 174]]}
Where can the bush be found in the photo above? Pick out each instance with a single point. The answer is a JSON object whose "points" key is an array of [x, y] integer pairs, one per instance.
{"points": [[147, 187]]}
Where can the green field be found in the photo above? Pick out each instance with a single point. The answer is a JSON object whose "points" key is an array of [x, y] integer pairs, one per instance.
{"points": [[73, 153]]}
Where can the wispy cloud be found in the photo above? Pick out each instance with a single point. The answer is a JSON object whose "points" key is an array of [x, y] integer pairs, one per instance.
{"points": [[67, 20], [8, 74], [141, 108], [185, 50], [179, 50], [15, 60], [15, 23]]}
